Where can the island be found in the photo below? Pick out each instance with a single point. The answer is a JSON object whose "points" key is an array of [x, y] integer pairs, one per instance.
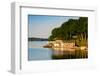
{"points": [[71, 35]]}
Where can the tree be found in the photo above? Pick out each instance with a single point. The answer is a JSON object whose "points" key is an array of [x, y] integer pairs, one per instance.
{"points": [[70, 28]]}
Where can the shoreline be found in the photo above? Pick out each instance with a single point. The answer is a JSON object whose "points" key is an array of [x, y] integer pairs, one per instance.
{"points": [[59, 44]]}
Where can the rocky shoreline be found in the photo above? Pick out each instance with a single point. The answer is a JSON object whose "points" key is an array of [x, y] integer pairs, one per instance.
{"points": [[59, 44]]}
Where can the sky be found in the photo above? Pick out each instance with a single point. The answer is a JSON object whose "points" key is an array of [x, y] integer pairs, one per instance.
{"points": [[40, 26]]}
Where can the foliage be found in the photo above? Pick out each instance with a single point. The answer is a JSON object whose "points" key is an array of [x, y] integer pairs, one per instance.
{"points": [[71, 28]]}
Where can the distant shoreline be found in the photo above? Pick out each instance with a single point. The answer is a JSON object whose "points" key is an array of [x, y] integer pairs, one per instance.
{"points": [[37, 39]]}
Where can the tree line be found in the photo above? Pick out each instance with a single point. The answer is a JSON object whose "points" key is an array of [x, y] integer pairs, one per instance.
{"points": [[71, 29]]}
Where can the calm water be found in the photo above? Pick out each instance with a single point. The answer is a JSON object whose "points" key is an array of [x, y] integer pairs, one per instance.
{"points": [[37, 52]]}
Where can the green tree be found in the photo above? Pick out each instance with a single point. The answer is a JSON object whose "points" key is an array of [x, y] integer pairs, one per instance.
{"points": [[70, 28]]}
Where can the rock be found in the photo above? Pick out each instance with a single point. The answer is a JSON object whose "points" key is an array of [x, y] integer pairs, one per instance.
{"points": [[47, 46], [83, 48]]}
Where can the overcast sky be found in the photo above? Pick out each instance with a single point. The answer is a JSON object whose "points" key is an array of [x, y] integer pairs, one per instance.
{"points": [[41, 26]]}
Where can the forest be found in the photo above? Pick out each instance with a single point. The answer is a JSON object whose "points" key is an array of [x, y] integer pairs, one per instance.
{"points": [[72, 30]]}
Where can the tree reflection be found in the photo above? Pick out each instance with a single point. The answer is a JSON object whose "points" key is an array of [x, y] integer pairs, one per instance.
{"points": [[61, 53]]}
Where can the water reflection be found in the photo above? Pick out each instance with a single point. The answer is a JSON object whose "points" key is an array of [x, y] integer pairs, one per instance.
{"points": [[62, 53], [37, 52]]}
